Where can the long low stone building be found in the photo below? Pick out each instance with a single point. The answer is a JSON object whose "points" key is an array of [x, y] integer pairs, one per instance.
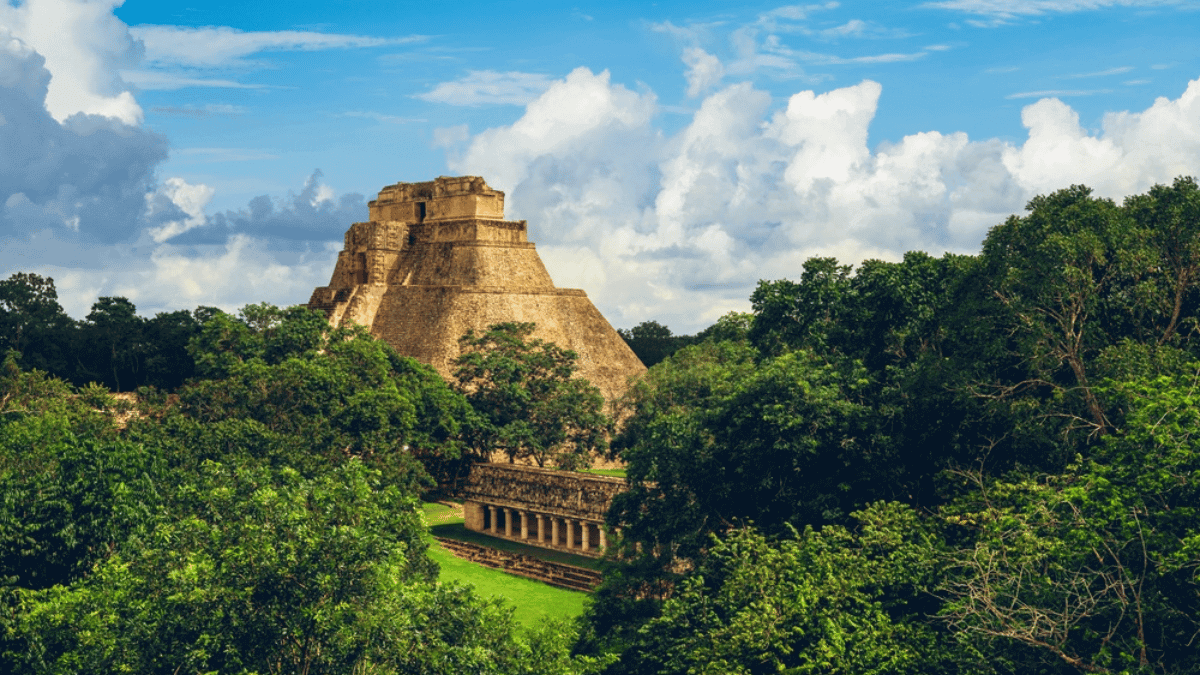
{"points": [[561, 510]]}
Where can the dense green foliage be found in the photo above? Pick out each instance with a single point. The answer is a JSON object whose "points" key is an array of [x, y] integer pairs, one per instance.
{"points": [[262, 519], [527, 403], [112, 346], [990, 461]]}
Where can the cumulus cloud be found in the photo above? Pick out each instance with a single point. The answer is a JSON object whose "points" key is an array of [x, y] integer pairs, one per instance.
{"points": [[229, 275], [84, 45], [88, 173], [680, 228], [179, 194], [80, 200], [704, 70], [314, 214]]}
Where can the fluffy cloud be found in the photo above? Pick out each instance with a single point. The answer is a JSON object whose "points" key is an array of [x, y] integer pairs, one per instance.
{"points": [[314, 214], [680, 229], [84, 45], [80, 201], [88, 173]]}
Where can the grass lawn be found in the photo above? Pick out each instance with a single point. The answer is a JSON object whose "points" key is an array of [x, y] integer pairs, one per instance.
{"points": [[616, 473], [530, 599]]}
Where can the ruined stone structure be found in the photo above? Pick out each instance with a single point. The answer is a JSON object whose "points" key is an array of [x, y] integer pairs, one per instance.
{"points": [[562, 510], [438, 258]]}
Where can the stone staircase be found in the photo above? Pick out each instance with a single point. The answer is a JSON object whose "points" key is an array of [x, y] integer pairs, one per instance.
{"points": [[555, 574]]}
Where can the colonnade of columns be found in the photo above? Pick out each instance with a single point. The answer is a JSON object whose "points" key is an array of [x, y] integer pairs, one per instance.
{"points": [[571, 533]]}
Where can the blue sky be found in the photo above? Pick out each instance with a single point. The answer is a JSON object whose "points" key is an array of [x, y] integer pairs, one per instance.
{"points": [[666, 155]]}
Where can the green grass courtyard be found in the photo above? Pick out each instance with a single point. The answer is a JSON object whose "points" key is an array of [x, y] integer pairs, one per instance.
{"points": [[531, 600]]}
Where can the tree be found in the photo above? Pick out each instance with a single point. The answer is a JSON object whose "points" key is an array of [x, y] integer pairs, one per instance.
{"points": [[113, 345], [1057, 272], [652, 342], [33, 323], [716, 441], [790, 315], [1096, 567], [168, 364], [527, 403], [733, 326], [830, 601], [262, 332], [261, 570], [70, 488], [302, 394], [1170, 215]]}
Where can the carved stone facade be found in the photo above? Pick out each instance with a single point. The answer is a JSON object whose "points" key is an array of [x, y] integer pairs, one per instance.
{"points": [[437, 259], [562, 510]]}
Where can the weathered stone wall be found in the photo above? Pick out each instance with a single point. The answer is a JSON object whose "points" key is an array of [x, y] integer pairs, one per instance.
{"points": [[565, 494]]}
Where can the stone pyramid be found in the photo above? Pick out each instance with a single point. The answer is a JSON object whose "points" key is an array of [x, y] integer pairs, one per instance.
{"points": [[437, 258]]}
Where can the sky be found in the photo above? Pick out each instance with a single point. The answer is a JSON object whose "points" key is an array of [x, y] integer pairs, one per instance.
{"points": [[667, 155]]}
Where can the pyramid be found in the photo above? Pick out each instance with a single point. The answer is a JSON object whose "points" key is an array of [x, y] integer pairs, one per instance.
{"points": [[437, 259]]}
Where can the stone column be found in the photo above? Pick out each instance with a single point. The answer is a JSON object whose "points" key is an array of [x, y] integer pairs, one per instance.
{"points": [[524, 524], [570, 533], [508, 514], [492, 513], [541, 528], [554, 530], [473, 516], [603, 538], [586, 529]]}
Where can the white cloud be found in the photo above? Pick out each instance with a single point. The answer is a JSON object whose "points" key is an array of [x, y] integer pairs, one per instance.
{"points": [[583, 113], [223, 47], [200, 112], [155, 80], [1101, 73], [88, 173], [381, 117], [704, 71], [829, 59], [488, 87], [191, 199], [240, 271], [757, 49], [1009, 9], [680, 229], [84, 46]]}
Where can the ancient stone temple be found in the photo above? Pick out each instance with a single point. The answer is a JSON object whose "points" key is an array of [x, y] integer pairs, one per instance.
{"points": [[437, 258], [553, 509]]}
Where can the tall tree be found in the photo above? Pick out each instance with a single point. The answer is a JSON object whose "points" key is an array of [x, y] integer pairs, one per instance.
{"points": [[112, 341], [528, 403], [1170, 218], [652, 341], [1065, 273], [33, 323]]}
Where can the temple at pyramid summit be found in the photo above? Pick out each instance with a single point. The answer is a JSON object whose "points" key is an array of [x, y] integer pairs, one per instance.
{"points": [[437, 259]]}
